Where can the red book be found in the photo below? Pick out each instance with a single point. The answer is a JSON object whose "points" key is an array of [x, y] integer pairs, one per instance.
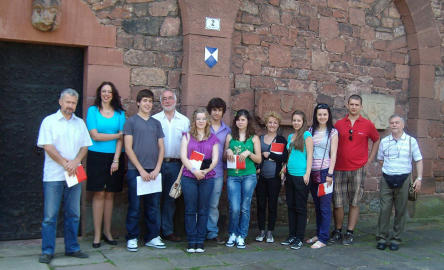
{"points": [[324, 189], [196, 159], [277, 148], [80, 173], [236, 164]]}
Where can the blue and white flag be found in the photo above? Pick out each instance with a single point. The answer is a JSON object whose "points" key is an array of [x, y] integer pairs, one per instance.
{"points": [[211, 56]]}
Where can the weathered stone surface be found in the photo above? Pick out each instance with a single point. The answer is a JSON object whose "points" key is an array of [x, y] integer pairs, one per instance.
{"points": [[144, 26], [270, 14], [148, 76], [336, 45], [290, 5], [279, 56], [170, 27], [249, 7], [319, 60], [328, 28], [356, 16], [140, 58], [242, 81], [340, 4], [162, 8], [252, 67]]}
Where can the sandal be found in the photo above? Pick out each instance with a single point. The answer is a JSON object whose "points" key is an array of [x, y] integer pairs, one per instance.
{"points": [[312, 240], [318, 244]]}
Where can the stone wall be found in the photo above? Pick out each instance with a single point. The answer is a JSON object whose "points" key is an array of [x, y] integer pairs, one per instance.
{"points": [[306, 51]]}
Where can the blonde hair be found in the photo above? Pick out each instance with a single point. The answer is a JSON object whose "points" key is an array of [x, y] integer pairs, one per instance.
{"points": [[193, 129], [273, 114]]}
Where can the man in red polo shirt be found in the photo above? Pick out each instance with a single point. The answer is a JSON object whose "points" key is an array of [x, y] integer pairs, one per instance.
{"points": [[352, 157]]}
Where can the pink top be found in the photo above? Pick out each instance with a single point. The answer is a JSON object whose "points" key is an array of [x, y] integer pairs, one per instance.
{"points": [[205, 147]]}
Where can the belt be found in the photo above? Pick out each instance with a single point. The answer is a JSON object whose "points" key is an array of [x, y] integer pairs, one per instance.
{"points": [[171, 160]]}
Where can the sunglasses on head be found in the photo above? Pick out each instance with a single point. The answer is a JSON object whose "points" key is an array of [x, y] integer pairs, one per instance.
{"points": [[322, 106], [350, 131]]}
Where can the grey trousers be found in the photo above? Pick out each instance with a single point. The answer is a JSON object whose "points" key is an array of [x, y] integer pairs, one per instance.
{"points": [[389, 197]]}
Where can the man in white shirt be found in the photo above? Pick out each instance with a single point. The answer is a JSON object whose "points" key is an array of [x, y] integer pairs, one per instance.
{"points": [[65, 139], [174, 124], [395, 154]]}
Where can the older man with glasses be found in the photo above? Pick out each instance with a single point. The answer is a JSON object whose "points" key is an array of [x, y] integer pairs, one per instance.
{"points": [[352, 158], [395, 154]]}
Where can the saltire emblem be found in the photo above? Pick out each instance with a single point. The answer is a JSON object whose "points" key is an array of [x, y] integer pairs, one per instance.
{"points": [[211, 56]]}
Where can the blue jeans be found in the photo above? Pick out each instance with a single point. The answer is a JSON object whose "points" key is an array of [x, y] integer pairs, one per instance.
{"points": [[323, 209], [151, 205], [213, 214], [240, 192], [169, 171], [53, 193], [196, 195]]}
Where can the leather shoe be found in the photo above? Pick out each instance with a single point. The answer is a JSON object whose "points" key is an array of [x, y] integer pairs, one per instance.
{"points": [[96, 245], [394, 246], [77, 254], [172, 238], [217, 240], [381, 246], [45, 258], [109, 242]]}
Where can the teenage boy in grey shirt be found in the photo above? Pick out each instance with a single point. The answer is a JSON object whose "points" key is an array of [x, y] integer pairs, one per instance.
{"points": [[145, 150]]}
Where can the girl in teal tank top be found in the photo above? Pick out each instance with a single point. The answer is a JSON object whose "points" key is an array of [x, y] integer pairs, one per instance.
{"points": [[241, 145]]}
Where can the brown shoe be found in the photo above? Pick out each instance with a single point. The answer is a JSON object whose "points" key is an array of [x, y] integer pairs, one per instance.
{"points": [[217, 240], [172, 238]]}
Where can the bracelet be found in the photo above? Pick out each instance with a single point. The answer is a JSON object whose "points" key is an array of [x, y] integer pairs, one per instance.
{"points": [[419, 178], [329, 174], [115, 161]]}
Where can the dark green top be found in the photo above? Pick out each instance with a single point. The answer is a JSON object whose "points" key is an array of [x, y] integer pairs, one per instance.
{"points": [[238, 147]]}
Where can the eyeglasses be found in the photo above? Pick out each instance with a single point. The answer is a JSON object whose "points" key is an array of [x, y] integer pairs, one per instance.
{"points": [[322, 106], [350, 131], [392, 151]]}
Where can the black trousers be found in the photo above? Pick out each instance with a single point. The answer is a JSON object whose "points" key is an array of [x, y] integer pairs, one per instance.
{"points": [[267, 192], [297, 194]]}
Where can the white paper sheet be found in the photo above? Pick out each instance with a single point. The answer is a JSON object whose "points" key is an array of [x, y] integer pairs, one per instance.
{"points": [[148, 187], [71, 180]]}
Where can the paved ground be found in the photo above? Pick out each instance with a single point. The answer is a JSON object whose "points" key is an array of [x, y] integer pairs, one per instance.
{"points": [[423, 248]]}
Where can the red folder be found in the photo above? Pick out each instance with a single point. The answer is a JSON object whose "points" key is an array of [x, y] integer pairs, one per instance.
{"points": [[240, 164], [196, 159], [80, 173], [277, 148]]}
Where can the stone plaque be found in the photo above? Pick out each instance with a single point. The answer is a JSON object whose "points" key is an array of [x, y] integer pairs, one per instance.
{"points": [[285, 103], [212, 23], [378, 108]]}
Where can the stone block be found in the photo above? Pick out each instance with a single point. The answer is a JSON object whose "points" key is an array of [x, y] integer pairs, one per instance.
{"points": [[428, 185], [356, 16], [148, 76], [424, 108], [308, 10], [162, 8], [199, 89], [194, 55], [252, 67], [402, 71], [193, 13], [422, 79], [378, 108], [441, 152], [251, 38], [418, 127], [261, 82], [290, 5], [336, 45], [170, 27], [249, 7], [340, 4], [284, 103], [426, 56], [279, 30], [257, 53], [104, 56], [250, 19], [270, 14], [367, 33], [279, 56], [399, 58], [436, 129], [140, 58], [242, 81], [422, 17], [96, 74], [429, 149], [428, 38], [328, 28], [144, 26], [174, 79], [319, 60], [371, 184], [120, 13]]}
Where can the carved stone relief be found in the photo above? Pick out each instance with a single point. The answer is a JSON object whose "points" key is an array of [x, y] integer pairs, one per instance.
{"points": [[46, 14], [378, 108]]}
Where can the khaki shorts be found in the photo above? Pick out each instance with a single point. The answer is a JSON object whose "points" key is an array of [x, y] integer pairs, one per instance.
{"points": [[348, 187]]}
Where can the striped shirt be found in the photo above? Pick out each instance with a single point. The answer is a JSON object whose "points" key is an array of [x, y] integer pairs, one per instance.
{"points": [[321, 146], [396, 154]]}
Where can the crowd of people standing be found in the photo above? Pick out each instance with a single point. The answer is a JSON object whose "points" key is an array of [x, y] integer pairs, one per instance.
{"points": [[325, 159]]}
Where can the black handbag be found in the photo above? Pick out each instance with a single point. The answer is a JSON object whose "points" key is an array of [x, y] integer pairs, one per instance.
{"points": [[206, 163]]}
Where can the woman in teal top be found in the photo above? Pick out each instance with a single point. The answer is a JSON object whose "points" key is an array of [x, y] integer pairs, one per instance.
{"points": [[105, 120], [241, 145], [300, 149]]}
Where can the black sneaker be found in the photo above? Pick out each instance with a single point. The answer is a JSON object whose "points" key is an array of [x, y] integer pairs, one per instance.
{"points": [[290, 240], [45, 258], [77, 254], [297, 244], [336, 237], [348, 239]]}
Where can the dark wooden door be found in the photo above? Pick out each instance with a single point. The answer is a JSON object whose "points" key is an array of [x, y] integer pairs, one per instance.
{"points": [[31, 79]]}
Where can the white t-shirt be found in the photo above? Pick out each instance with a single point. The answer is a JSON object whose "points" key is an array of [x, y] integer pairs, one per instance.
{"points": [[68, 136]]}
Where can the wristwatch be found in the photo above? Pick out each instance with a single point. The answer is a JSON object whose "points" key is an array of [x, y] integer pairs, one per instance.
{"points": [[329, 174], [419, 178]]}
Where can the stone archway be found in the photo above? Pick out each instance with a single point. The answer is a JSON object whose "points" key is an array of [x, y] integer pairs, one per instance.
{"points": [[423, 40]]}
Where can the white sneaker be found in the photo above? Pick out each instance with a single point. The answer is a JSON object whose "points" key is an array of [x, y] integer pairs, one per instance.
{"points": [[231, 240], [269, 238], [131, 245], [156, 242], [261, 236], [240, 242]]}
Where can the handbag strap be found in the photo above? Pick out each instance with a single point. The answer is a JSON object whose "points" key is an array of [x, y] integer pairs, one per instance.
{"points": [[410, 156]]}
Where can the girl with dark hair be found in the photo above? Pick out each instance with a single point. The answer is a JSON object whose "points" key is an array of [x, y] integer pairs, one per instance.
{"points": [[298, 168], [242, 146], [325, 142], [105, 120]]}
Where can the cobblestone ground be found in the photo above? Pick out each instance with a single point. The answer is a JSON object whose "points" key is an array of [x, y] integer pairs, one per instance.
{"points": [[423, 248]]}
